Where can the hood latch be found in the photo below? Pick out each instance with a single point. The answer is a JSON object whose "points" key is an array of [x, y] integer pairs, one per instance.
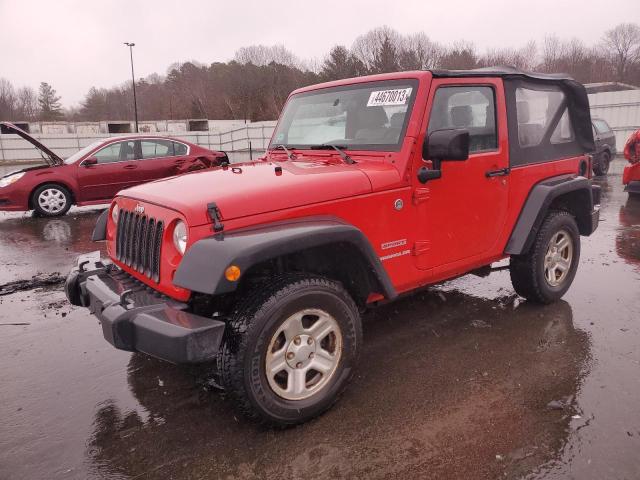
{"points": [[214, 213]]}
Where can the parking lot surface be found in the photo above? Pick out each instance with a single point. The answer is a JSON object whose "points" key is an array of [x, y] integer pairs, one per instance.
{"points": [[463, 380]]}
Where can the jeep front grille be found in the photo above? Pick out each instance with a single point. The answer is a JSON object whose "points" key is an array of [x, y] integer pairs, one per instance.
{"points": [[139, 242]]}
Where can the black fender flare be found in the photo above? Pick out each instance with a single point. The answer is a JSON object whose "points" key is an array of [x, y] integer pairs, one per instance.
{"points": [[100, 230], [540, 199], [203, 266]]}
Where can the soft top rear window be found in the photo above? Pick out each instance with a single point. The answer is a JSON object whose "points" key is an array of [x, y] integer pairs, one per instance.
{"points": [[363, 116], [546, 122]]}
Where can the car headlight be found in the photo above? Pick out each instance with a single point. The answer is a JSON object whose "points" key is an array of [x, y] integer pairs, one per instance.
{"points": [[115, 212], [9, 179], [180, 236]]}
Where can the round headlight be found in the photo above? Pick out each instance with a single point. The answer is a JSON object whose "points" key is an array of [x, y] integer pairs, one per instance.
{"points": [[115, 211], [180, 236]]}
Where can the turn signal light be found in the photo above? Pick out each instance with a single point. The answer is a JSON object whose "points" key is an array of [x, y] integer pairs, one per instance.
{"points": [[232, 273]]}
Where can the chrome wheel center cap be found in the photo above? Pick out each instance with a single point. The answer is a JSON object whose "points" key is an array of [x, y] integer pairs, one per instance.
{"points": [[300, 351]]}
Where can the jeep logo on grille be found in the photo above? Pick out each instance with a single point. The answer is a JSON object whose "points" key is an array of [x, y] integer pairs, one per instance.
{"points": [[139, 209]]}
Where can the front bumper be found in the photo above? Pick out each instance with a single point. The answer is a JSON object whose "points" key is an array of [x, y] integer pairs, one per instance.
{"points": [[136, 318]]}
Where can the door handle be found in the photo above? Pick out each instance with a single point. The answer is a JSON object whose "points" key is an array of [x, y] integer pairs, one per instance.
{"points": [[498, 173], [130, 167]]}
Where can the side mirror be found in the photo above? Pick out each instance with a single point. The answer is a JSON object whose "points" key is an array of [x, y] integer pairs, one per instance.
{"points": [[443, 145], [88, 162]]}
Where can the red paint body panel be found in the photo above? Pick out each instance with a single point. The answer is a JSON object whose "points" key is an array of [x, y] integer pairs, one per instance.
{"points": [[631, 173], [442, 229], [98, 184]]}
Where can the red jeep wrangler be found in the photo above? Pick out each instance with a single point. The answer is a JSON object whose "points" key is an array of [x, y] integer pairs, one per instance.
{"points": [[371, 187]]}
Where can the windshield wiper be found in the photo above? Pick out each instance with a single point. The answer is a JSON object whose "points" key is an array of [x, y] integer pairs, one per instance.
{"points": [[338, 148], [291, 155]]}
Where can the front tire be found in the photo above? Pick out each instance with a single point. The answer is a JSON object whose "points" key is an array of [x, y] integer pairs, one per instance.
{"points": [[51, 200], [545, 273], [290, 349]]}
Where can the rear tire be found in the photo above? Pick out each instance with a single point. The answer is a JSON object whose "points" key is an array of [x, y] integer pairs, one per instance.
{"points": [[545, 273], [602, 167], [51, 200], [276, 339]]}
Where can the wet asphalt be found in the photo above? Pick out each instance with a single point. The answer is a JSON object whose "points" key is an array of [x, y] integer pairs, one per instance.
{"points": [[464, 380]]}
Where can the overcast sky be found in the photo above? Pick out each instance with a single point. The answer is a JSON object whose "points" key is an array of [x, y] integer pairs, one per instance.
{"points": [[74, 45]]}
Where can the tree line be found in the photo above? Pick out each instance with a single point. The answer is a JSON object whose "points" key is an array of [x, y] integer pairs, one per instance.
{"points": [[255, 84]]}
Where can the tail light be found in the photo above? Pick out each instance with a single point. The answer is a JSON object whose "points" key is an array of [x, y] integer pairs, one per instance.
{"points": [[585, 167]]}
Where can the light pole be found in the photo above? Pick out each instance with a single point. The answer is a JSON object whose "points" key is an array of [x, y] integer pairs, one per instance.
{"points": [[133, 79]]}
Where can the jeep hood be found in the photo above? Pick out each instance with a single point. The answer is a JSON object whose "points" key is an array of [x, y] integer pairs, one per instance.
{"points": [[252, 188], [49, 156]]}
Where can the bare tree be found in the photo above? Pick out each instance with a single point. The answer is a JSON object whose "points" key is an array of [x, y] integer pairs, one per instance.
{"points": [[27, 103], [623, 44], [523, 58], [7, 100], [374, 49], [418, 46], [261, 55]]}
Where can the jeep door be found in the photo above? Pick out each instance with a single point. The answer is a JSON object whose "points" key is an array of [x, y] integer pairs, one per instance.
{"points": [[114, 171], [461, 214]]}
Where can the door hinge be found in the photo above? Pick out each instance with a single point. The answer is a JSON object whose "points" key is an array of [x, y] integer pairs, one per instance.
{"points": [[214, 214], [420, 194], [421, 247]]}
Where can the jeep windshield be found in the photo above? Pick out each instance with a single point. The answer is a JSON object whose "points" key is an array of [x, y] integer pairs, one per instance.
{"points": [[363, 116]]}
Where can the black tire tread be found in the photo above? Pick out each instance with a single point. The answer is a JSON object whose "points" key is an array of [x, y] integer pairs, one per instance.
{"points": [[598, 167], [522, 268], [239, 330]]}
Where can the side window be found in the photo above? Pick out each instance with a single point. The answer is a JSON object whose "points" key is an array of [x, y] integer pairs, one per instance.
{"points": [[535, 109], [179, 148], [156, 148], [601, 126], [109, 154], [472, 108]]}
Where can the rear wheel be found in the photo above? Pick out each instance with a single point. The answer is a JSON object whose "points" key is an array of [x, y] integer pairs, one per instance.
{"points": [[602, 167], [290, 349], [51, 200], [546, 272]]}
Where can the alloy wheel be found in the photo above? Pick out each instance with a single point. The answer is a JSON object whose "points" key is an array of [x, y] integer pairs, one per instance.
{"points": [[557, 261], [303, 354]]}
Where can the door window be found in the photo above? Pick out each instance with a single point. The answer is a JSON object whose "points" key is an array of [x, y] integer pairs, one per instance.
{"points": [[179, 149], [469, 107], [157, 148], [116, 152]]}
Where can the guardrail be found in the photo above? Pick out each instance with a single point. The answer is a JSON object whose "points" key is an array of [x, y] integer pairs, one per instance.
{"points": [[239, 143]]}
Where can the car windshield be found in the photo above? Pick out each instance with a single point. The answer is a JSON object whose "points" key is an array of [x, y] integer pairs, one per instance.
{"points": [[364, 116], [81, 153]]}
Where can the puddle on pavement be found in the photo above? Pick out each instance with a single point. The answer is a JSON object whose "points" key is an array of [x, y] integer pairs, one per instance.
{"points": [[451, 381]]}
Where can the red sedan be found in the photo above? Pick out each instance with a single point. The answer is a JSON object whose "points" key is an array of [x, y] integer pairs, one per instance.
{"points": [[97, 172]]}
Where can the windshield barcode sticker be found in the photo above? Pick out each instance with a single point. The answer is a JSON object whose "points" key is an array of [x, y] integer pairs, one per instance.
{"points": [[398, 96]]}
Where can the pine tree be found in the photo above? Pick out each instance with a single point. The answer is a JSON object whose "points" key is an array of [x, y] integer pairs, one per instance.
{"points": [[49, 102]]}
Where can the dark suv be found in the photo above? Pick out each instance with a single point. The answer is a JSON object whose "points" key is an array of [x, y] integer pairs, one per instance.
{"points": [[605, 141]]}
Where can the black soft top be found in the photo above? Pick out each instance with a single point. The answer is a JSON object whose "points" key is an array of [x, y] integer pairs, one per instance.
{"points": [[577, 100], [500, 72]]}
